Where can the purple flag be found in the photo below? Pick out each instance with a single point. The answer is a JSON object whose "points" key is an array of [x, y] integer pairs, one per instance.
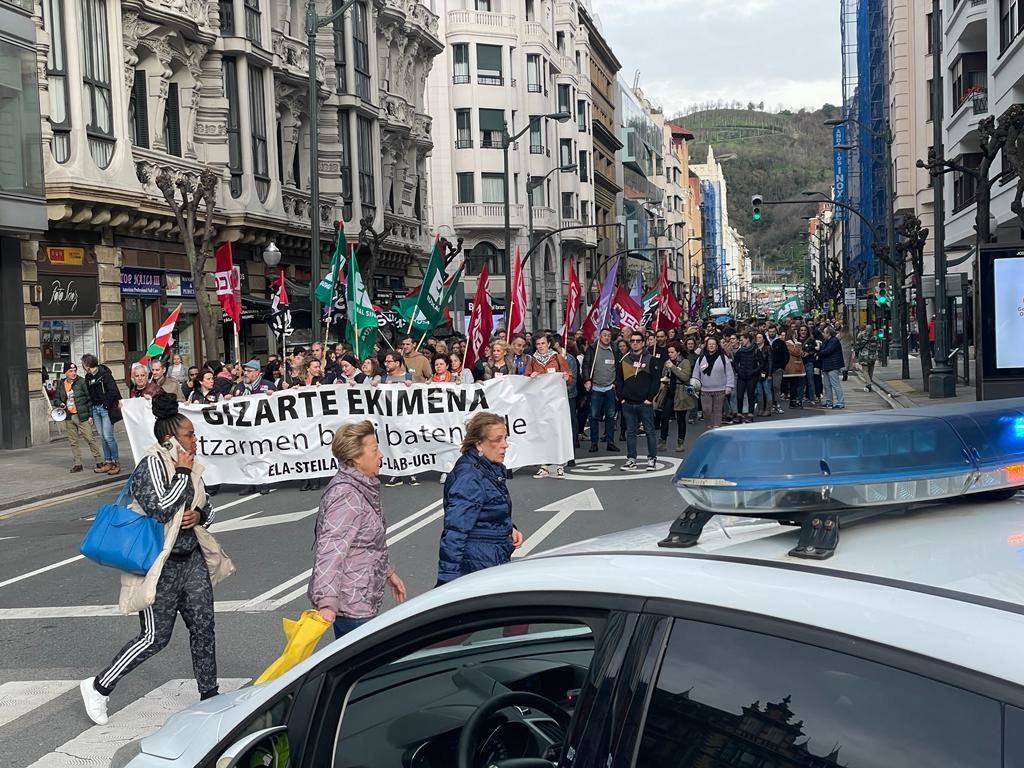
{"points": [[604, 301]]}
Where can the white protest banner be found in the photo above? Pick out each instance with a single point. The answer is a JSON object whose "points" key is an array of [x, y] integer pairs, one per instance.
{"points": [[287, 435]]}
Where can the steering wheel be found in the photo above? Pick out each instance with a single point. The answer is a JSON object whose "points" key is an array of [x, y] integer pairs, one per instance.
{"points": [[471, 730]]}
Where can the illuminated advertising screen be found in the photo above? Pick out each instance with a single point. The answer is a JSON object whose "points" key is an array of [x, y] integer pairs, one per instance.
{"points": [[1002, 311]]}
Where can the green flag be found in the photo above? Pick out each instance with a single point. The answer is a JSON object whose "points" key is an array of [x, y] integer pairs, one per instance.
{"points": [[362, 319], [449, 290], [429, 308], [791, 307], [325, 291]]}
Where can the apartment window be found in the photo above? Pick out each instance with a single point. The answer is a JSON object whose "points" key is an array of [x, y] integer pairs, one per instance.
{"points": [[460, 62], [931, 100], [536, 142], [533, 73], [537, 191], [565, 151], [488, 64], [227, 17], [930, 33], [252, 21], [492, 126], [584, 212], [463, 129], [417, 204], [340, 60], [484, 5], [230, 68], [581, 115], [563, 99], [346, 163], [361, 51], [568, 211], [492, 187], [464, 186], [172, 122], [964, 184], [99, 114], [296, 163], [258, 130], [485, 253], [560, 41], [57, 81], [584, 167], [970, 77], [364, 139], [138, 113], [1011, 22]]}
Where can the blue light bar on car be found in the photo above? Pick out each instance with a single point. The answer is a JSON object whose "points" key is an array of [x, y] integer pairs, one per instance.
{"points": [[883, 458]]}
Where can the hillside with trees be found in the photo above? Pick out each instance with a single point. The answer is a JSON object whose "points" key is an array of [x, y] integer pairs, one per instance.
{"points": [[777, 154]]}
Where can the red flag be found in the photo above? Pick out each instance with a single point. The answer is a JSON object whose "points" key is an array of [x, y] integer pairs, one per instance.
{"points": [[481, 322], [228, 284], [630, 313], [517, 310], [590, 327], [670, 311], [279, 300], [572, 302]]}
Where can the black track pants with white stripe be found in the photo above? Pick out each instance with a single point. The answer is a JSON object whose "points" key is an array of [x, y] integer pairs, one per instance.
{"points": [[184, 587]]}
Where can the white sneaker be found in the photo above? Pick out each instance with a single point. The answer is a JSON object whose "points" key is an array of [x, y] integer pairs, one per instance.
{"points": [[652, 465], [560, 473], [95, 702], [541, 474], [630, 464]]}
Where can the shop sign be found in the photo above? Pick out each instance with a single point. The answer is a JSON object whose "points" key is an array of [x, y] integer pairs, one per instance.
{"points": [[66, 256], [179, 285], [63, 296], [141, 282]]}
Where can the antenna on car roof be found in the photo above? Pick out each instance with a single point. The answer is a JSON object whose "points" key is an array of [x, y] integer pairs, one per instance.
{"points": [[825, 472]]}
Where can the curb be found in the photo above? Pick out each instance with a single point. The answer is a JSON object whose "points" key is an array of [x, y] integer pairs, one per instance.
{"points": [[891, 397], [13, 507]]}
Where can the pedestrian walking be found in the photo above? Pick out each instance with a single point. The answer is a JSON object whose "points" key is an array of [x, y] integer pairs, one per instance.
{"points": [[73, 396], [163, 382], [478, 531], [142, 385], [717, 380], [168, 486], [794, 371], [602, 378], [350, 563], [371, 371], [415, 361], [545, 360], [748, 363], [866, 349], [499, 364], [191, 380], [178, 370], [395, 372], [252, 383], [105, 409], [763, 390], [462, 374], [846, 340], [206, 392], [831, 355], [679, 400], [638, 388]]}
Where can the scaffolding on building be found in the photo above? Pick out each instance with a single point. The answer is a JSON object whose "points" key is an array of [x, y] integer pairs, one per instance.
{"points": [[865, 78]]}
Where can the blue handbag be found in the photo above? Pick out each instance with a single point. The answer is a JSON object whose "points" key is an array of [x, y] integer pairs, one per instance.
{"points": [[121, 538]]}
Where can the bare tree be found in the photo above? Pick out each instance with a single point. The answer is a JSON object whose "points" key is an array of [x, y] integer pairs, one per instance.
{"points": [[196, 235], [369, 249], [1013, 152], [913, 237]]}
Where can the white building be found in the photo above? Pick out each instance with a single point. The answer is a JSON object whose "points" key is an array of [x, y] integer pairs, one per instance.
{"points": [[720, 252], [506, 65]]}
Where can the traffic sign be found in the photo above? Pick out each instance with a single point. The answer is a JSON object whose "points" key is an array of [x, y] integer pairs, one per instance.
{"points": [[850, 296]]}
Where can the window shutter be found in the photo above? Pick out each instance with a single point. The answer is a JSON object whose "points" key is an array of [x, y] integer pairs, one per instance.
{"points": [[488, 58], [172, 127], [492, 120], [141, 101]]}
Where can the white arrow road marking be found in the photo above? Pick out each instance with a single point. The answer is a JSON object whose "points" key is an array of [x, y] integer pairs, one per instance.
{"points": [[92, 611], [244, 522], [584, 500], [95, 747], [20, 697], [4, 538]]}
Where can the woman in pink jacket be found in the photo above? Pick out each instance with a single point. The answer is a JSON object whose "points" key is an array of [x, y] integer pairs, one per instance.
{"points": [[351, 564]]}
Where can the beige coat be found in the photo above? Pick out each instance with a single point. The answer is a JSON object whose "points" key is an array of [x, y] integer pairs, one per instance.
{"points": [[139, 592]]}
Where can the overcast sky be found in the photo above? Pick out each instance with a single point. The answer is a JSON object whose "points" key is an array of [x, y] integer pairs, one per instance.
{"points": [[777, 51]]}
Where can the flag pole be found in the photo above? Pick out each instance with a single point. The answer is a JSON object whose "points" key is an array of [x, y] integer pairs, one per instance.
{"points": [[238, 345], [422, 338], [386, 340]]}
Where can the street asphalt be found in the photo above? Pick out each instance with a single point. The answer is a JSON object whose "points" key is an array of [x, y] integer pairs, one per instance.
{"points": [[58, 621]]}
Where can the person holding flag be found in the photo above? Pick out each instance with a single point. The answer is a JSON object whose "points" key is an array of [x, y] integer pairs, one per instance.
{"points": [[228, 285], [546, 360], [517, 309], [481, 323]]}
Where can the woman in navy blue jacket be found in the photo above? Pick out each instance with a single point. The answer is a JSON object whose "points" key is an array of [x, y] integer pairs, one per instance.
{"points": [[478, 531]]}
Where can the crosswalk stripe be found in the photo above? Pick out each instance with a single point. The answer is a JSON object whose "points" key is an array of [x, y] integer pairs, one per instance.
{"points": [[20, 697], [95, 747]]}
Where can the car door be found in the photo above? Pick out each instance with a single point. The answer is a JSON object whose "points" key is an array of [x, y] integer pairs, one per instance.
{"points": [[400, 696], [740, 690]]}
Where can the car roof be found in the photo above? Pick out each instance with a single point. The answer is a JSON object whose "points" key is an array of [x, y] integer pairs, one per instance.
{"points": [[971, 549]]}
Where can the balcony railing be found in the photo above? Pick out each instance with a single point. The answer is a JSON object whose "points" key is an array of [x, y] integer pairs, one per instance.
{"points": [[480, 19], [980, 102], [484, 214]]}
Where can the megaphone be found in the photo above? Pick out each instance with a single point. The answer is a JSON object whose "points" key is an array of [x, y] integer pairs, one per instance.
{"points": [[59, 413]]}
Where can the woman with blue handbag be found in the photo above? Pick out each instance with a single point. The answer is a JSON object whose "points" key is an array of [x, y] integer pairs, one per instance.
{"points": [[167, 485]]}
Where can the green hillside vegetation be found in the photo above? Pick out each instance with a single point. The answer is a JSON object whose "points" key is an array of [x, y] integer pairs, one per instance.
{"points": [[776, 154]]}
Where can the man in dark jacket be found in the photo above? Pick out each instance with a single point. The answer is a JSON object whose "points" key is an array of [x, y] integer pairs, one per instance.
{"points": [[831, 357], [636, 393], [105, 399], [73, 395], [780, 357]]}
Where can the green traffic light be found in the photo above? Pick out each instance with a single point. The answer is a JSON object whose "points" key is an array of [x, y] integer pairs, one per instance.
{"points": [[757, 215], [883, 299]]}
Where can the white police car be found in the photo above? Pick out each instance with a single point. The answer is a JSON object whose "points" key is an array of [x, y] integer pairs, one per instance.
{"points": [[749, 644]]}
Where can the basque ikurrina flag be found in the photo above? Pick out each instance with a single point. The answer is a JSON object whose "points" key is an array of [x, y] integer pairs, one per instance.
{"points": [[163, 337]]}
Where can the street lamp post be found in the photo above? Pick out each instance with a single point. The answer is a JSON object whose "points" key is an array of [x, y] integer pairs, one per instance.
{"points": [[506, 143], [531, 185], [314, 23]]}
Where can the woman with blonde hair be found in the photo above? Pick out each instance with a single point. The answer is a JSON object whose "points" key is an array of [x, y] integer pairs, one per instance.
{"points": [[499, 364], [351, 565], [478, 530]]}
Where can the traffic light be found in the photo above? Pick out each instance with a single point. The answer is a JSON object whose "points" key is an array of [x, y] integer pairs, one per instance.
{"points": [[882, 295], [755, 204]]}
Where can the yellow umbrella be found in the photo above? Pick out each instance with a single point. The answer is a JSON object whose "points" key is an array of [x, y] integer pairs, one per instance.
{"points": [[302, 637]]}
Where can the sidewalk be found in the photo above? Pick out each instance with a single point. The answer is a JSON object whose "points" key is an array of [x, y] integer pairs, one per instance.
{"points": [[907, 393], [41, 472]]}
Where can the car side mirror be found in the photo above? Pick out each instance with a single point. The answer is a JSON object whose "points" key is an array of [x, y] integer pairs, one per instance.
{"points": [[268, 747]]}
